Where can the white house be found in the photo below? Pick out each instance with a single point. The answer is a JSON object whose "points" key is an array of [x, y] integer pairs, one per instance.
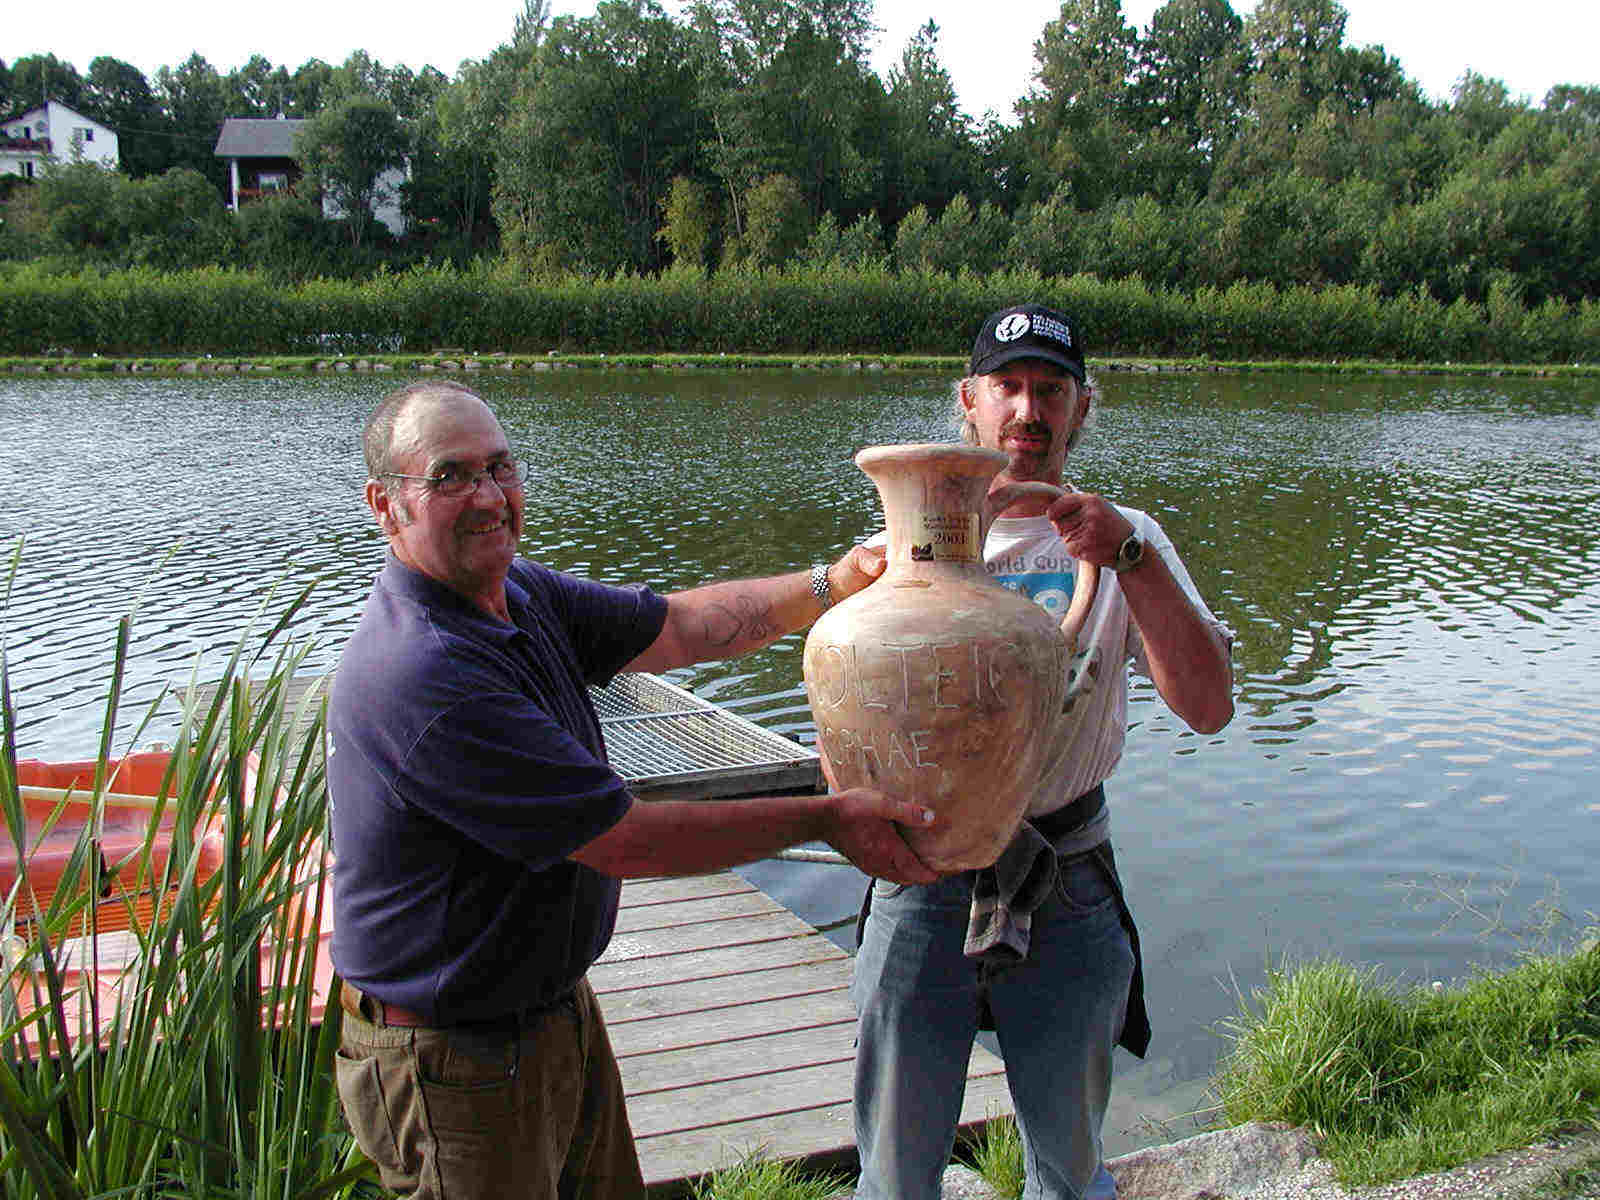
{"points": [[260, 156], [54, 132]]}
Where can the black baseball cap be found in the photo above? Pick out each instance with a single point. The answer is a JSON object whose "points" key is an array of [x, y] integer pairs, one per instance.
{"points": [[1027, 331]]}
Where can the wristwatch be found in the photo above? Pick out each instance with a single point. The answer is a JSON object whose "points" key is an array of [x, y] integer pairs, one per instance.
{"points": [[1130, 554]]}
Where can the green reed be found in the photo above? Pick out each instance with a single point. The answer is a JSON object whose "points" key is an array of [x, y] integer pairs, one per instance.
{"points": [[211, 1077]]}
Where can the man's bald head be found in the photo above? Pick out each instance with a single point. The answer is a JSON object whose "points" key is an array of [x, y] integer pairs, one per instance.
{"points": [[378, 437]]}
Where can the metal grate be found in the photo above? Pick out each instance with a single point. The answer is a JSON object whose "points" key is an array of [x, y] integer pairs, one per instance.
{"points": [[659, 736], [668, 743]]}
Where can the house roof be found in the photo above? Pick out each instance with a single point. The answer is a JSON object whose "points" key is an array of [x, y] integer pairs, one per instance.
{"points": [[248, 137], [42, 110]]}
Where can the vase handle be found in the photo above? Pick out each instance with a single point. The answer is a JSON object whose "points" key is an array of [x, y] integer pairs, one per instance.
{"points": [[1088, 576]]}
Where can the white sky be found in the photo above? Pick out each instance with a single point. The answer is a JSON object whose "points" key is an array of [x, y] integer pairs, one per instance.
{"points": [[987, 47]]}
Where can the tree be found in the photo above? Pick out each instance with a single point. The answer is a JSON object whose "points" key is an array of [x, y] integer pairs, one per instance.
{"points": [[345, 151], [931, 154], [118, 94], [196, 103], [468, 117], [786, 87], [177, 220], [1191, 90], [966, 239], [805, 115], [778, 224], [606, 118], [1482, 106], [1297, 44], [1049, 237], [1577, 106], [168, 221], [37, 78], [86, 209], [689, 221], [1076, 113], [254, 89], [285, 235], [914, 248], [311, 89], [860, 246], [531, 25]]}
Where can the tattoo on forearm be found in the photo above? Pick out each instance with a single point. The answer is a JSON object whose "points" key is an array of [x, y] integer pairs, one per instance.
{"points": [[744, 618]]}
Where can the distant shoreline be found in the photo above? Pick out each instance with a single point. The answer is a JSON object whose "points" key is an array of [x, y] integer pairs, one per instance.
{"points": [[460, 362]]}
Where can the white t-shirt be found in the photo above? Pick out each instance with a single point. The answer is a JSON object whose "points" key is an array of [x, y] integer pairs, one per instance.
{"points": [[1026, 555]]}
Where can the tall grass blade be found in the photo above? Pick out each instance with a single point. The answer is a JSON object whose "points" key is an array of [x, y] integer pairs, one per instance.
{"points": [[207, 1070]]}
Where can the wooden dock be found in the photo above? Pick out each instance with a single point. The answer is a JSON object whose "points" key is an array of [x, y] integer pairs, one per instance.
{"points": [[732, 1023]]}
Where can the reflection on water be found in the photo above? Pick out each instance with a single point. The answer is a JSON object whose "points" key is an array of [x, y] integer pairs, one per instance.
{"points": [[1410, 566]]}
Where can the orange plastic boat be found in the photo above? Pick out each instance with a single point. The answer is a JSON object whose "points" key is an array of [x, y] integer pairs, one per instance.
{"points": [[100, 945]]}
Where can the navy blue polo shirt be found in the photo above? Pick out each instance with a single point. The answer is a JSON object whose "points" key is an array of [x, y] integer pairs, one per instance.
{"points": [[467, 765]]}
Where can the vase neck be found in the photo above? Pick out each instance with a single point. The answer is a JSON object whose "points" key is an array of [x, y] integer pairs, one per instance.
{"points": [[936, 518]]}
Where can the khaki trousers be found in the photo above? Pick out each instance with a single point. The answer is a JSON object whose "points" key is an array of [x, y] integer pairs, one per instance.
{"points": [[532, 1109]]}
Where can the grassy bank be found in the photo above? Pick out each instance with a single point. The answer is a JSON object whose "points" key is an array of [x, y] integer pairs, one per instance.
{"points": [[467, 364], [829, 312], [1400, 1083]]}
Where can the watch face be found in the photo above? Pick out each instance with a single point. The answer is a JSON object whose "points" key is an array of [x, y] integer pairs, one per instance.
{"points": [[1130, 552]]}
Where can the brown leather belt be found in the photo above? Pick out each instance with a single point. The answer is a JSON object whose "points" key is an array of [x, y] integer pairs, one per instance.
{"points": [[369, 1008], [375, 1012]]}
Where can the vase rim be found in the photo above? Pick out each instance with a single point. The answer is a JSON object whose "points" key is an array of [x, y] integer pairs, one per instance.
{"points": [[951, 455]]}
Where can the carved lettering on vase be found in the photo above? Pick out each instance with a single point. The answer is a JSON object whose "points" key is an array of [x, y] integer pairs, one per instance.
{"points": [[920, 674], [885, 707]]}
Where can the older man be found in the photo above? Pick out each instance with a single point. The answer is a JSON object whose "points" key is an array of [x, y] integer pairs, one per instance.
{"points": [[480, 834], [930, 973]]}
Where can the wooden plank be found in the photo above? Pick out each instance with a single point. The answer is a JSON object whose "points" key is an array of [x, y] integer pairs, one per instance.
{"points": [[732, 1024], [792, 1090], [824, 1133], [639, 892], [695, 912], [624, 1004], [748, 1059], [773, 1094], [772, 926], [710, 964]]}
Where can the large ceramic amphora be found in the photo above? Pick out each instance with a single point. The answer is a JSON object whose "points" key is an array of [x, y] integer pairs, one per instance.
{"points": [[936, 683]]}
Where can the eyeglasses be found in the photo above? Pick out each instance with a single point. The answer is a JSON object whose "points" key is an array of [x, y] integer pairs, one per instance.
{"points": [[457, 481]]}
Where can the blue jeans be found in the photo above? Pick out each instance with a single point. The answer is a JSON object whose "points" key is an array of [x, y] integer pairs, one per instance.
{"points": [[1057, 1015]]}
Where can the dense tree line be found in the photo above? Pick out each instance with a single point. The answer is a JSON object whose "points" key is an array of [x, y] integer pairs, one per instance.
{"points": [[1206, 150]]}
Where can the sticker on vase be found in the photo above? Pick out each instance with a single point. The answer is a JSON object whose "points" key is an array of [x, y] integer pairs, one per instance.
{"points": [[945, 537]]}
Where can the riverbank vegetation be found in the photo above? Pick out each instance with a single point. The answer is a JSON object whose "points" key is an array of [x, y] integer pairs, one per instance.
{"points": [[1400, 1083], [816, 311], [1227, 172]]}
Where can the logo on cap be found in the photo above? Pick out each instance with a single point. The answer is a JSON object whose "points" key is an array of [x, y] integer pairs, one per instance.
{"points": [[1012, 327]]}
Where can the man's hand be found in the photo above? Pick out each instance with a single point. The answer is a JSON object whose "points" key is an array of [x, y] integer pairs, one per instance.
{"points": [[1090, 525], [859, 566], [861, 826]]}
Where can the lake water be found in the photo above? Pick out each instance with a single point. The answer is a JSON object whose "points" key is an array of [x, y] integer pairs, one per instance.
{"points": [[1412, 778]]}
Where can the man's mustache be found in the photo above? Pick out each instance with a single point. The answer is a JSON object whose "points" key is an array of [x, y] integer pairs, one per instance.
{"points": [[1029, 429]]}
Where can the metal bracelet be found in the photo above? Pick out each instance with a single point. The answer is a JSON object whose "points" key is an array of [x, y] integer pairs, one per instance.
{"points": [[819, 585]]}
